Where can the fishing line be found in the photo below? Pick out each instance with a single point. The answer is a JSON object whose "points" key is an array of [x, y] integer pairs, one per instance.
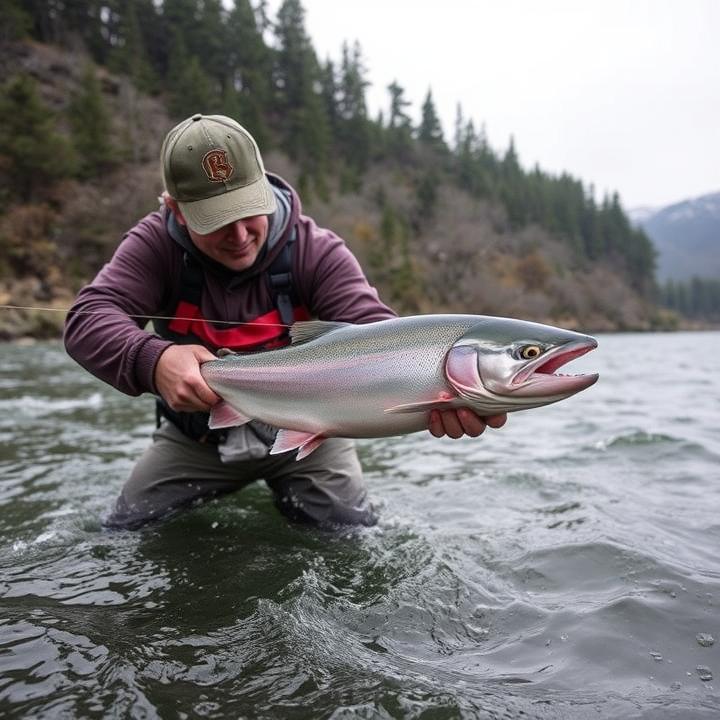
{"points": [[139, 317]]}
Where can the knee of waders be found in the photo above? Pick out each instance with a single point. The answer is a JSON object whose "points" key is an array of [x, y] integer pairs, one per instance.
{"points": [[133, 516], [326, 514]]}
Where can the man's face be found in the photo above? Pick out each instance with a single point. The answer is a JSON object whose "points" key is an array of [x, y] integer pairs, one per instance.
{"points": [[236, 246]]}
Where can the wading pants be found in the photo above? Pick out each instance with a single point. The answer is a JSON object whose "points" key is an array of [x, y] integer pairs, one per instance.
{"points": [[324, 488]]}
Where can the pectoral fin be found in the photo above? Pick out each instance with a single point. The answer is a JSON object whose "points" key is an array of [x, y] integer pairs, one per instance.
{"points": [[223, 415], [442, 403], [290, 439]]}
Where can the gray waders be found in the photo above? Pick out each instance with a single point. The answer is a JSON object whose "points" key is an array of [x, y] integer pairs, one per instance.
{"points": [[176, 472]]}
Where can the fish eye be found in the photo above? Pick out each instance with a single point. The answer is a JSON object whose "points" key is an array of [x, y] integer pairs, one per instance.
{"points": [[530, 352]]}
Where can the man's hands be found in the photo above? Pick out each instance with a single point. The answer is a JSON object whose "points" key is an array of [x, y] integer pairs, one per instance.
{"points": [[456, 423], [178, 378]]}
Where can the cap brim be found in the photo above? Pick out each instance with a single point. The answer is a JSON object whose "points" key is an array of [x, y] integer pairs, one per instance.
{"points": [[206, 216]]}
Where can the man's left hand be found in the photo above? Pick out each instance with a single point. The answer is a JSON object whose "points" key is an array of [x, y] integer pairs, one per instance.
{"points": [[463, 421]]}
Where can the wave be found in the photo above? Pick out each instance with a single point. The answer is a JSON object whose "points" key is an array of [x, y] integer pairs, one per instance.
{"points": [[37, 406]]}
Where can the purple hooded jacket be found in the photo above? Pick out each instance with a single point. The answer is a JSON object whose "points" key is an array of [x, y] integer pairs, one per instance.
{"points": [[143, 278]]}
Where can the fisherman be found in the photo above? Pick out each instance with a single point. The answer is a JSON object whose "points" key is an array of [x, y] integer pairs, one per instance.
{"points": [[228, 261]]}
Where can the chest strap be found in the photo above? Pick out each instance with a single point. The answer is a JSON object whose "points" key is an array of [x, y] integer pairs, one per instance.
{"points": [[280, 279]]}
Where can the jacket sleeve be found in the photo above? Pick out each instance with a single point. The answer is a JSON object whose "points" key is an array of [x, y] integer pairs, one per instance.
{"points": [[332, 281], [101, 333]]}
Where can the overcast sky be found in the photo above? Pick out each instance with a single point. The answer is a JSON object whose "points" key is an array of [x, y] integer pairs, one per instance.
{"points": [[623, 94]]}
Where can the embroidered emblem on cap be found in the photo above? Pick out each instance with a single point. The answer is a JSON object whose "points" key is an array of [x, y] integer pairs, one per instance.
{"points": [[216, 166]]}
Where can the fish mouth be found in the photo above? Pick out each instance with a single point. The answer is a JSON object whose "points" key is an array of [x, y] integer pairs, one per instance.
{"points": [[538, 377]]}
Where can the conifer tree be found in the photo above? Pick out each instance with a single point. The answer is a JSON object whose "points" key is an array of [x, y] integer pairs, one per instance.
{"points": [[15, 21], [250, 68], [91, 127], [591, 229], [154, 34], [354, 129], [459, 129], [513, 188], [210, 43], [307, 135], [430, 131], [426, 198], [189, 89], [399, 124], [330, 96], [70, 24], [128, 56], [32, 154], [180, 20]]}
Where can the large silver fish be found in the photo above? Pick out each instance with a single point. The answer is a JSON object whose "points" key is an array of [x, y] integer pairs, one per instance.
{"points": [[383, 378]]}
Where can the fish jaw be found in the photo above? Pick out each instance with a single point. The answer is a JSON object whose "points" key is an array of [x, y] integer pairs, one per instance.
{"points": [[538, 379], [493, 381]]}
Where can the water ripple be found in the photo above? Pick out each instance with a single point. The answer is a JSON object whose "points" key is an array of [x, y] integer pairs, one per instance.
{"points": [[562, 567]]}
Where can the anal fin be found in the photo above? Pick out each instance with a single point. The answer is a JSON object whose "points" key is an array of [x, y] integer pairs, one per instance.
{"points": [[290, 439], [223, 415]]}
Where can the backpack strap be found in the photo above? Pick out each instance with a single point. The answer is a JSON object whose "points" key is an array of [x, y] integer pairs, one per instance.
{"points": [[280, 280], [191, 273]]}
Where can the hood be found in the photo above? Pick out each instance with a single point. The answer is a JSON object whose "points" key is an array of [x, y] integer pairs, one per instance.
{"points": [[281, 223]]}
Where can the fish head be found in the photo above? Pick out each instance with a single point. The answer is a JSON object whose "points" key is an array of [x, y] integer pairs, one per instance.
{"points": [[504, 364]]}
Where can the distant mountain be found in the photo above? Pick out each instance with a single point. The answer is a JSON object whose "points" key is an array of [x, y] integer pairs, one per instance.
{"points": [[686, 236], [639, 215]]}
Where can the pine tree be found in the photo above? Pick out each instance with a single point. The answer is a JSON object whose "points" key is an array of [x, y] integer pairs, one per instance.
{"points": [[32, 154], [426, 198], [513, 188], [72, 24], [190, 90], [330, 96], [250, 68], [297, 79], [210, 42], [128, 56], [459, 128], [91, 128], [399, 124], [180, 20], [430, 131], [15, 21], [354, 128]]}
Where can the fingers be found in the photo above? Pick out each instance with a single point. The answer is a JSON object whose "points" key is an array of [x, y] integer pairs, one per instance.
{"points": [[496, 421], [462, 421], [202, 354], [472, 424], [436, 426], [178, 378], [191, 395], [452, 424], [203, 397]]}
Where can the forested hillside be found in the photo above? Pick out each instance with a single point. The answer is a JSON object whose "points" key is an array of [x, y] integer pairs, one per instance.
{"points": [[440, 224]]}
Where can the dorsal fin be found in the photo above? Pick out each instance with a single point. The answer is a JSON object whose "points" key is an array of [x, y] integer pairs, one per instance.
{"points": [[307, 330]]}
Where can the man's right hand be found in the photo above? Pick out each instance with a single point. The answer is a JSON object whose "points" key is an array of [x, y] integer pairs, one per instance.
{"points": [[178, 378]]}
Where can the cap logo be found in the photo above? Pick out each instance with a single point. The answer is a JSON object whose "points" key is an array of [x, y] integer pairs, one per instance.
{"points": [[216, 166]]}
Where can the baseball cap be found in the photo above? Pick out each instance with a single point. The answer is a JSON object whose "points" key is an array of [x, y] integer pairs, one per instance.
{"points": [[212, 166]]}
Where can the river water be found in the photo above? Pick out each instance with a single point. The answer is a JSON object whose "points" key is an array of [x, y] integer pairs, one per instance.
{"points": [[566, 566]]}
